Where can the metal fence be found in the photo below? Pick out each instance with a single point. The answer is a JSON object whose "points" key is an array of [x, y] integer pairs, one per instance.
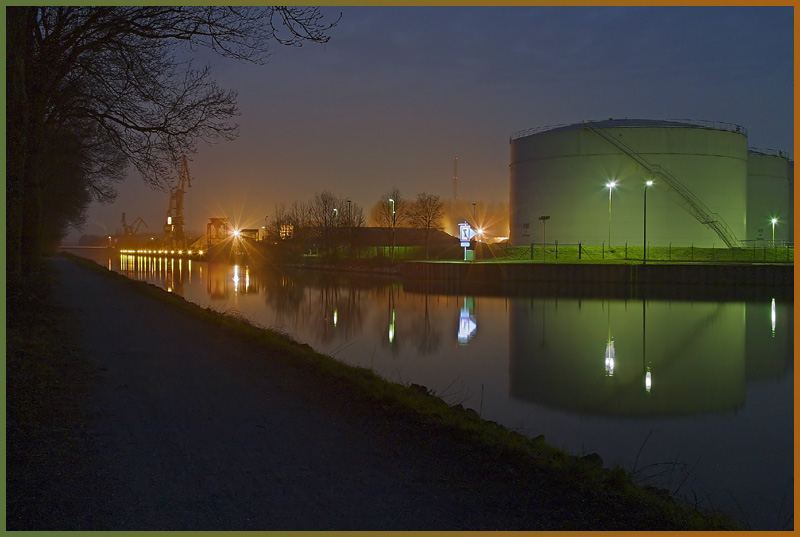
{"points": [[579, 252]]}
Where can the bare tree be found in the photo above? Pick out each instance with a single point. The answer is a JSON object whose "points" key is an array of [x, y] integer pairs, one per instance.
{"points": [[115, 79], [324, 215], [390, 211], [427, 213]]}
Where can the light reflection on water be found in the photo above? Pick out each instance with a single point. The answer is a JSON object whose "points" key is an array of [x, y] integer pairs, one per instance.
{"points": [[696, 395]]}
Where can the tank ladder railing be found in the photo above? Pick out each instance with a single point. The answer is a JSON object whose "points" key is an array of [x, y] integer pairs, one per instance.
{"points": [[692, 203]]}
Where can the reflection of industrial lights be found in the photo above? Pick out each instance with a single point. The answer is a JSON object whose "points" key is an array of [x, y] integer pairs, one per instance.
{"points": [[466, 325], [391, 329], [648, 380], [335, 317], [610, 355], [773, 316], [236, 278]]}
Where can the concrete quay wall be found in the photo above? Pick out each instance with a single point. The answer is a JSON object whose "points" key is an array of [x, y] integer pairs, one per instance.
{"points": [[669, 274]]}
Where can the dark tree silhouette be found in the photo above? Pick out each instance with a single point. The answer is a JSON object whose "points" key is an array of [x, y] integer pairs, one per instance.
{"points": [[113, 84], [426, 213]]}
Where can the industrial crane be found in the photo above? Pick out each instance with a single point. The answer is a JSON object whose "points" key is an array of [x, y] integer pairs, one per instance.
{"points": [[174, 226], [130, 230]]}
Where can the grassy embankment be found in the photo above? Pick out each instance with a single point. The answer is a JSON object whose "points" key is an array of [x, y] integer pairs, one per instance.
{"points": [[632, 254], [41, 400]]}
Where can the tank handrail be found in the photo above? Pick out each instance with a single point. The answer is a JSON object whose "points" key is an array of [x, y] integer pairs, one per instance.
{"points": [[536, 130], [770, 152], [703, 123], [692, 203]]}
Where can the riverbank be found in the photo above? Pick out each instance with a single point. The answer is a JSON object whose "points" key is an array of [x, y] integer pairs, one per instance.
{"points": [[180, 391]]}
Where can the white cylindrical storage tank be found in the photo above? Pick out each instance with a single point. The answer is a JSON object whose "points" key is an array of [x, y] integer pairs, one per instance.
{"points": [[769, 195], [562, 172]]}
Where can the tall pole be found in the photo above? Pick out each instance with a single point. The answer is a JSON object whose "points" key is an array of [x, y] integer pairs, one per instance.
{"points": [[610, 185], [544, 219], [393, 223], [455, 178], [644, 224], [774, 221]]}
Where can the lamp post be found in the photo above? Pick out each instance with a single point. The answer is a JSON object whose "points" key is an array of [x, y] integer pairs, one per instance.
{"points": [[544, 219], [774, 221], [644, 224], [393, 223], [610, 185]]}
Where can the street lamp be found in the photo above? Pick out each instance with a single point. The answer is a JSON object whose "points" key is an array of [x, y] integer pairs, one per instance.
{"points": [[774, 221], [393, 223], [544, 219], [644, 224], [610, 186]]}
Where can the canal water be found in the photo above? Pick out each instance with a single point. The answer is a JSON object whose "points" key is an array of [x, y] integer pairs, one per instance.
{"points": [[694, 396]]}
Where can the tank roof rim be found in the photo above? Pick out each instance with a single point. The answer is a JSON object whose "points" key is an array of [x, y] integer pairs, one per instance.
{"points": [[612, 123]]}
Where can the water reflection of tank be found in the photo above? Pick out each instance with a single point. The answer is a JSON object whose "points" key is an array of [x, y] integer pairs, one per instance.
{"points": [[670, 358]]}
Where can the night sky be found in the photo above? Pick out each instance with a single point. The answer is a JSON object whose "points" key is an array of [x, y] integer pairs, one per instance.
{"points": [[398, 92]]}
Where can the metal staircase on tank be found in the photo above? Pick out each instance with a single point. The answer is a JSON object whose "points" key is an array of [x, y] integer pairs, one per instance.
{"points": [[691, 203]]}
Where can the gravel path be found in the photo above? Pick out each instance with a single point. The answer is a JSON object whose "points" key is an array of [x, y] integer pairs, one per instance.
{"points": [[192, 429]]}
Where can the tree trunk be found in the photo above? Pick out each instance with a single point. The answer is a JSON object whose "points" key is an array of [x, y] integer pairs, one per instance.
{"points": [[17, 120]]}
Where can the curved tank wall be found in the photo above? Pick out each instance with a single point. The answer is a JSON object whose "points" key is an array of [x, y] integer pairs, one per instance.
{"points": [[562, 173], [770, 181]]}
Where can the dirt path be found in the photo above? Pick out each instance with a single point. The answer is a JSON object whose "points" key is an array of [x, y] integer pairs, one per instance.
{"points": [[192, 429]]}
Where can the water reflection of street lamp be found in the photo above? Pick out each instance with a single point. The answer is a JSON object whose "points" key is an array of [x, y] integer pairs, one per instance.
{"points": [[610, 352], [610, 186], [648, 377], [610, 355], [644, 224], [773, 316]]}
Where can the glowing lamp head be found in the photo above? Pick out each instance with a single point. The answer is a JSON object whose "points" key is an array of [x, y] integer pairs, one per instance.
{"points": [[649, 183], [235, 232], [611, 184], [774, 221]]}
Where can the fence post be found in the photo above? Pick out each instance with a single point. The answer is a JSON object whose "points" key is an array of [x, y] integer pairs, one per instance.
{"points": [[670, 251], [604, 249], [556, 250], [626, 250], [532, 251], [579, 250], [692, 251]]}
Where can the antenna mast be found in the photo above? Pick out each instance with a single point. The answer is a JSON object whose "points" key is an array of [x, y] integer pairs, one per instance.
{"points": [[455, 178]]}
